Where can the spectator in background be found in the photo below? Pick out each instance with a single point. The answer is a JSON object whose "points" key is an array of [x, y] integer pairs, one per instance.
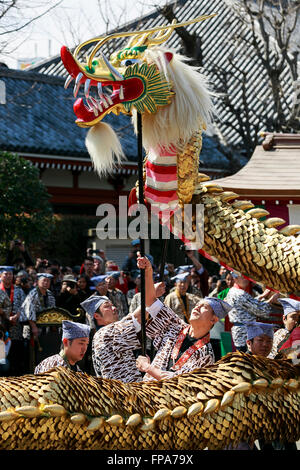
{"points": [[220, 286], [56, 283], [212, 282], [39, 298], [100, 284], [180, 300], [88, 266], [115, 295], [14, 328], [245, 309], [5, 303], [68, 297], [136, 277], [99, 265], [83, 285], [201, 271]]}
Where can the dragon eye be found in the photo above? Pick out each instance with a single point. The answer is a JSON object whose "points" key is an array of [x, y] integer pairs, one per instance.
{"points": [[128, 62]]}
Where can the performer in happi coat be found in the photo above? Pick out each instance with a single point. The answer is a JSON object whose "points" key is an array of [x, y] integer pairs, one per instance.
{"points": [[114, 341], [245, 309], [291, 318], [75, 339], [181, 347]]}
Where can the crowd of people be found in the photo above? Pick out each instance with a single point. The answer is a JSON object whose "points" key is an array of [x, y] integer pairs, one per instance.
{"points": [[189, 312]]}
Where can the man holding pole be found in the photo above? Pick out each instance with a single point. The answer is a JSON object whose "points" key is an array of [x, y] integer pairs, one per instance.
{"points": [[181, 347]]}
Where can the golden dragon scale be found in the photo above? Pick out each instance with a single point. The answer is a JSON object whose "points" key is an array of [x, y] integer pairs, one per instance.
{"points": [[240, 398]]}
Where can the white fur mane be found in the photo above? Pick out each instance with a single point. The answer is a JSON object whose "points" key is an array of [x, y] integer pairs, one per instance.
{"points": [[190, 108]]}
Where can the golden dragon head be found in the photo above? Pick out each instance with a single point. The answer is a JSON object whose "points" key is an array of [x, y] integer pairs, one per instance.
{"points": [[125, 80]]}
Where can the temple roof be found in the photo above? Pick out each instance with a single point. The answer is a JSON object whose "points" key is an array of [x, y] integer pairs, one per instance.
{"points": [[274, 169]]}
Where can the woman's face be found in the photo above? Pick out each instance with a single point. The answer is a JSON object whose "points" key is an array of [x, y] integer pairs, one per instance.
{"points": [[81, 283]]}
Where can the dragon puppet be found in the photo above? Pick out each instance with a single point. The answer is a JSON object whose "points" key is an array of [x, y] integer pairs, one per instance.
{"points": [[176, 105], [239, 398]]}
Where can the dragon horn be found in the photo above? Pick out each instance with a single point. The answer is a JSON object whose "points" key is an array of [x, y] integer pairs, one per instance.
{"points": [[102, 40]]}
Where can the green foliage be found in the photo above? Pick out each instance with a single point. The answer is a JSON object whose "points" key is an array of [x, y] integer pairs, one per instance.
{"points": [[25, 210]]}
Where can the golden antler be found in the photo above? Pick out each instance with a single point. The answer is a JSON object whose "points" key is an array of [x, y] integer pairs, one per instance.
{"points": [[165, 34]]}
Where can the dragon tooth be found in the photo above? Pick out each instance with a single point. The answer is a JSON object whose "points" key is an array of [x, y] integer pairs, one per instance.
{"points": [[108, 98], [112, 69], [77, 84], [87, 86], [69, 79], [121, 92]]}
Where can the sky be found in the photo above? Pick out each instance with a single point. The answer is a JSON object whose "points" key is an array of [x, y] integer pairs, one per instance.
{"points": [[72, 22]]}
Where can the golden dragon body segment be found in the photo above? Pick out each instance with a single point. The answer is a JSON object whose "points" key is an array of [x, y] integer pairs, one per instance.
{"points": [[240, 398], [243, 242]]}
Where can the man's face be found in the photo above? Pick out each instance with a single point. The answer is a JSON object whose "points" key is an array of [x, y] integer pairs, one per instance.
{"points": [[88, 266], [7, 277], [204, 313], [44, 282], [101, 288], [260, 345], [108, 314], [76, 349], [111, 282], [182, 287], [291, 320]]}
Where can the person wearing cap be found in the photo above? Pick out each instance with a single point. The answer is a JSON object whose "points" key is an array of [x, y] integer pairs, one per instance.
{"points": [[180, 300], [259, 338], [5, 296], [15, 330], [245, 309], [114, 342], [181, 346], [290, 319], [99, 284], [38, 299], [75, 340], [116, 295]]}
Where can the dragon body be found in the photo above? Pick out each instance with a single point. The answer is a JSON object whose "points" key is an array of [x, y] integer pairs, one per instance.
{"points": [[240, 398]]}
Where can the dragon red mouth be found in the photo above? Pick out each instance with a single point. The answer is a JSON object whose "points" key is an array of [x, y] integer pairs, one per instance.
{"points": [[109, 93]]}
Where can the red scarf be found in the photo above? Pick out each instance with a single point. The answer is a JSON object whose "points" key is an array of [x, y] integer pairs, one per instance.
{"points": [[190, 351], [12, 288]]}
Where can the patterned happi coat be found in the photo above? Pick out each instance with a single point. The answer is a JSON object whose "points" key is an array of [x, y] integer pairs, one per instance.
{"points": [[16, 331], [5, 305], [113, 351], [34, 303], [58, 360], [280, 337], [164, 327], [245, 309]]}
